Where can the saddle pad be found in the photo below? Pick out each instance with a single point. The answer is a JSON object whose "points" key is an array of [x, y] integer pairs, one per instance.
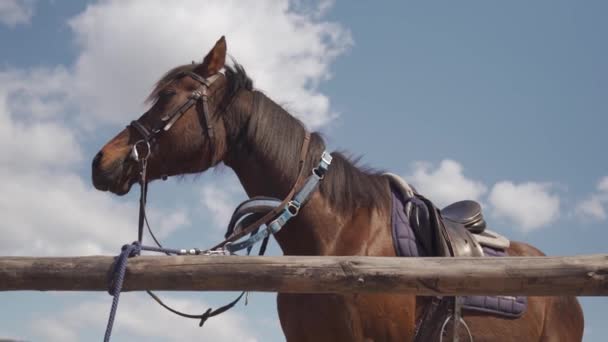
{"points": [[406, 236]]}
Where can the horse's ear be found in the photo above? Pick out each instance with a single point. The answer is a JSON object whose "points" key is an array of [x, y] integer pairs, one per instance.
{"points": [[214, 61]]}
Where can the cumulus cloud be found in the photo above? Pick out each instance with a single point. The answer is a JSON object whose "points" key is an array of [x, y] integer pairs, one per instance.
{"points": [[593, 208], [528, 205], [602, 185], [31, 135], [445, 184], [38, 93], [125, 46], [286, 47], [596, 205], [46, 207], [15, 12], [47, 213], [140, 319], [220, 198]]}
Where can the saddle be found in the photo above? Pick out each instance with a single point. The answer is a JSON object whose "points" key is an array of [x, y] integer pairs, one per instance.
{"points": [[455, 237], [458, 230]]}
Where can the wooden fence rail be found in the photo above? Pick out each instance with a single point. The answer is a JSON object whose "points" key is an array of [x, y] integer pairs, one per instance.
{"points": [[544, 276]]}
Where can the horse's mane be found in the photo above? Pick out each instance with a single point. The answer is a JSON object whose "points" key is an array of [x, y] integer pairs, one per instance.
{"points": [[271, 132], [236, 76], [274, 133]]}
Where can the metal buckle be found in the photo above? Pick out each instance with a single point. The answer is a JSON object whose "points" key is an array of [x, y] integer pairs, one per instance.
{"points": [[293, 208], [219, 251], [324, 164], [326, 158], [317, 173], [135, 153], [196, 95]]}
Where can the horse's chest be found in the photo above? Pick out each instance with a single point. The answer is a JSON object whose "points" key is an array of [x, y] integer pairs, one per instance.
{"points": [[346, 317]]}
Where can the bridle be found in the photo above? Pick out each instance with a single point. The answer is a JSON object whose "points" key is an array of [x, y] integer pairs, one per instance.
{"points": [[149, 139], [142, 149], [149, 134]]}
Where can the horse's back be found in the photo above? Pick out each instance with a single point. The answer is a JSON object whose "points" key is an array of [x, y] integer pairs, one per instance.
{"points": [[546, 318]]}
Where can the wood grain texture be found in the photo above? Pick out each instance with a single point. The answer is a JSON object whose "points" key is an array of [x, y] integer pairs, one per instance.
{"points": [[543, 276]]}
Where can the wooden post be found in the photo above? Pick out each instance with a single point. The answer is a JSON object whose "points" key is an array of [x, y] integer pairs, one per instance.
{"points": [[543, 276]]}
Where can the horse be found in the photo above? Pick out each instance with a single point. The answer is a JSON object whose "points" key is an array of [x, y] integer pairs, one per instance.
{"points": [[347, 215]]}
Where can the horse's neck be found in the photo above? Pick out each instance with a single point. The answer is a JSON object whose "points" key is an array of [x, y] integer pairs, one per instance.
{"points": [[264, 143], [265, 168], [300, 236], [319, 229], [262, 175]]}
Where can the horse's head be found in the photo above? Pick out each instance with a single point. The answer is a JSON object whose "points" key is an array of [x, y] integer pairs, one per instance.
{"points": [[177, 134]]}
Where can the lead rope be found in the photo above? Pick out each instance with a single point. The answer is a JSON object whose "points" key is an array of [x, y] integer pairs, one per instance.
{"points": [[135, 248]]}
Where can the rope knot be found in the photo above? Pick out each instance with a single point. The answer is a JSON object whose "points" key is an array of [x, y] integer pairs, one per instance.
{"points": [[134, 249], [120, 266]]}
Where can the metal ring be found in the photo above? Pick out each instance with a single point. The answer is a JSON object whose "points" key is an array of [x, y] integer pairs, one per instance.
{"points": [[318, 174], [135, 153], [461, 321], [293, 208]]}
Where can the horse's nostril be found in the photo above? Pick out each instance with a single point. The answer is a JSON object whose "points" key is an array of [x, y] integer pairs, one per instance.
{"points": [[97, 159]]}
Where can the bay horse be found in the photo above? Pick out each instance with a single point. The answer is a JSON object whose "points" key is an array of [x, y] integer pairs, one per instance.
{"points": [[349, 214]]}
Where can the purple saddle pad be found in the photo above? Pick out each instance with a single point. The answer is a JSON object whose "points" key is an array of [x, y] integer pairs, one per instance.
{"points": [[407, 236]]}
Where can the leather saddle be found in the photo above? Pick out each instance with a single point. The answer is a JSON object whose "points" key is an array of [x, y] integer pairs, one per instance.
{"points": [[454, 227], [467, 213], [447, 232]]}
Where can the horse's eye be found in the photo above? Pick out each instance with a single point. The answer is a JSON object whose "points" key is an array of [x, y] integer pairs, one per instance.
{"points": [[167, 93]]}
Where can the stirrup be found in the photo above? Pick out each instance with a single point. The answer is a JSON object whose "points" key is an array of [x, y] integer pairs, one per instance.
{"points": [[455, 337]]}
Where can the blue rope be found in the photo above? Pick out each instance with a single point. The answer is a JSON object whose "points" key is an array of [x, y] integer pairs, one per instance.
{"points": [[118, 277], [134, 249], [120, 267]]}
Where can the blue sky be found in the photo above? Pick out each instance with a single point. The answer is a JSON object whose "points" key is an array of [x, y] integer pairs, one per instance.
{"points": [[501, 102]]}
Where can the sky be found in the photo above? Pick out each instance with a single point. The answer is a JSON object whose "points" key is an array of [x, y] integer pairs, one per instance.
{"points": [[501, 102]]}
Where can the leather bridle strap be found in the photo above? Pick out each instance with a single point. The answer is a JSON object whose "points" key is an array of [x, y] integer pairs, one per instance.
{"points": [[167, 121], [204, 94], [142, 130], [277, 210]]}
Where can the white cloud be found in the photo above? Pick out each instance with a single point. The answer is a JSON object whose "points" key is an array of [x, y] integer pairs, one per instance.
{"points": [[15, 12], [48, 213], [445, 184], [220, 198], [593, 208], [125, 46], [47, 209], [528, 205], [37, 93], [30, 134], [140, 319], [602, 185], [596, 205]]}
